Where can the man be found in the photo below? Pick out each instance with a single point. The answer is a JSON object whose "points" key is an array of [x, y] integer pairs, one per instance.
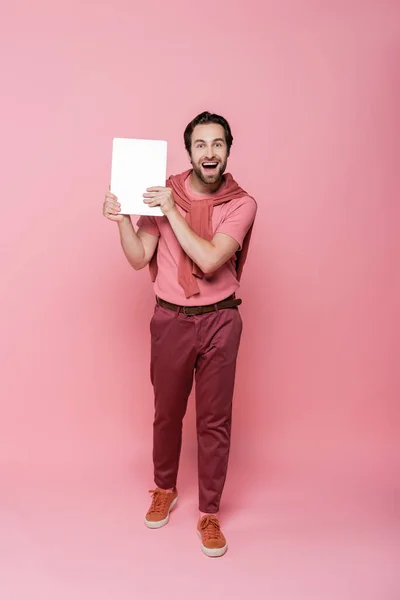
{"points": [[196, 253]]}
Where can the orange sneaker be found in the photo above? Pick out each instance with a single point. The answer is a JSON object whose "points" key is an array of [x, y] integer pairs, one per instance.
{"points": [[213, 542], [161, 505]]}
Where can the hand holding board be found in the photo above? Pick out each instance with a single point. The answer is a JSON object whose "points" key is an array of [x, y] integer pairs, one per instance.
{"points": [[137, 165]]}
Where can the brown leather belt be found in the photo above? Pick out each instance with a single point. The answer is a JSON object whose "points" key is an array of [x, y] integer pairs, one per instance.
{"points": [[230, 302]]}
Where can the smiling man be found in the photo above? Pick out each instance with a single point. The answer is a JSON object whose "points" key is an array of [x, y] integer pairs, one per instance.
{"points": [[196, 253]]}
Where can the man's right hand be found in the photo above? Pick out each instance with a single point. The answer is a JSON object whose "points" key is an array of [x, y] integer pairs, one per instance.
{"points": [[112, 208], [138, 247]]}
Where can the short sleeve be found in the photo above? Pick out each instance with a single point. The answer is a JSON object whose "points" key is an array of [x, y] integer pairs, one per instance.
{"points": [[149, 225], [239, 219]]}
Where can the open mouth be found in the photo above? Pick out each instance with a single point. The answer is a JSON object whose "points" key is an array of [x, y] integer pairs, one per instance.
{"points": [[210, 166]]}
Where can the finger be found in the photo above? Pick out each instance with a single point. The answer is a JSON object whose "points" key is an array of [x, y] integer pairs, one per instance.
{"points": [[150, 195], [113, 217], [110, 196], [112, 204], [111, 210], [156, 189]]}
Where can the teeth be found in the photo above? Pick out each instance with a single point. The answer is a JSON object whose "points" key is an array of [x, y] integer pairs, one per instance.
{"points": [[209, 164]]}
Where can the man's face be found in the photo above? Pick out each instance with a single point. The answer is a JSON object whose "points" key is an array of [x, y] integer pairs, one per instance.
{"points": [[209, 152]]}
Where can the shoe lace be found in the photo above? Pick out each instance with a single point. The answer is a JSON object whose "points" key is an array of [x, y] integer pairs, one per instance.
{"points": [[159, 501], [210, 527]]}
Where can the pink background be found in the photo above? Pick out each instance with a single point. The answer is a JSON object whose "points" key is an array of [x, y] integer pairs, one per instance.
{"points": [[312, 92]]}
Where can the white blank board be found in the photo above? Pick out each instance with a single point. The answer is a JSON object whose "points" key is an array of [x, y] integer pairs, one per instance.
{"points": [[137, 165]]}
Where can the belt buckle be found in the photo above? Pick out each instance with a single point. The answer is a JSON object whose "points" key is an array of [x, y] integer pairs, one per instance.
{"points": [[196, 310]]}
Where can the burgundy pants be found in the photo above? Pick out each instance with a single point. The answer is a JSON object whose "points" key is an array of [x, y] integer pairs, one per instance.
{"points": [[181, 346]]}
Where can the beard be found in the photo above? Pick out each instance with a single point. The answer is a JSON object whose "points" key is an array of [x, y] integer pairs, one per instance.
{"points": [[213, 177]]}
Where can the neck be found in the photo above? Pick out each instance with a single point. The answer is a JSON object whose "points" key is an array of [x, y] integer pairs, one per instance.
{"points": [[198, 186]]}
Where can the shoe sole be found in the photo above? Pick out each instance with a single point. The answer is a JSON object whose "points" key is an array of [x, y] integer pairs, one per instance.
{"points": [[213, 552], [163, 522]]}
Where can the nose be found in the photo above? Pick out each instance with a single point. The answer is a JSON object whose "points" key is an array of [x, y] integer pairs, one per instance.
{"points": [[209, 154]]}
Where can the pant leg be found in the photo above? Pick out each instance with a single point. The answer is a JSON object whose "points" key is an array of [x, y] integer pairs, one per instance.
{"points": [[173, 356], [215, 378]]}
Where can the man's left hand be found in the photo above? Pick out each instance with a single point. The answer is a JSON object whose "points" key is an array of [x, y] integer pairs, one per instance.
{"points": [[162, 197]]}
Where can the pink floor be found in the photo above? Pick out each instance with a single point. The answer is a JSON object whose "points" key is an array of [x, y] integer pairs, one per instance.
{"points": [[80, 535]]}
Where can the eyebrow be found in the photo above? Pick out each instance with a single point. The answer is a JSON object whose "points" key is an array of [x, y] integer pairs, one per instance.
{"points": [[216, 140]]}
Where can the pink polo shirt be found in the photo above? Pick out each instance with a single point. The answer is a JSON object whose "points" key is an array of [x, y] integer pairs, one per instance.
{"points": [[234, 218]]}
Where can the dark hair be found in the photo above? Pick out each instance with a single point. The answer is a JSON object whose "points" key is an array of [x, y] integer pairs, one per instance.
{"points": [[204, 119]]}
